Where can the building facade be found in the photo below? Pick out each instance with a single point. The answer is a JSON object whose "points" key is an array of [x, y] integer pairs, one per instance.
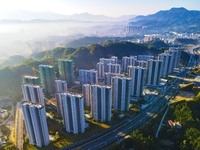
{"points": [[108, 78], [73, 111], [145, 57], [166, 60], [121, 93], [47, 77], [30, 80], [101, 103], [66, 70], [128, 61], [137, 75], [100, 70], [33, 93], [114, 68], [61, 86], [88, 76], [153, 72], [87, 94], [36, 124]]}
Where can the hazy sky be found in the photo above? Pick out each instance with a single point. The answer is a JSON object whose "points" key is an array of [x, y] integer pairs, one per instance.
{"points": [[105, 7]]}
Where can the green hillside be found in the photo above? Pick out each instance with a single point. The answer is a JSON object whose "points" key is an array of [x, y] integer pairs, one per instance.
{"points": [[84, 57]]}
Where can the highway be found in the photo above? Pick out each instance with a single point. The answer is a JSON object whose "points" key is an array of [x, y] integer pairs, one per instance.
{"points": [[116, 133]]}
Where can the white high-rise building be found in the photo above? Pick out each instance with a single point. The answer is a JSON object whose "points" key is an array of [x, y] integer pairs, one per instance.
{"points": [[137, 75], [121, 93], [101, 103], [166, 60], [128, 61], [36, 124], [114, 68], [59, 104], [115, 59], [175, 58], [141, 63], [73, 110], [61, 87], [88, 76], [33, 93], [106, 62], [153, 72], [100, 70], [108, 78], [144, 57], [87, 94]]}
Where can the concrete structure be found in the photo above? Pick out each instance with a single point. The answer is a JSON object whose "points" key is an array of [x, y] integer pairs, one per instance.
{"points": [[101, 103], [47, 77], [66, 70], [153, 72], [128, 61], [114, 68], [166, 60], [115, 59], [33, 93], [137, 75], [87, 94], [100, 70], [121, 93], [108, 78], [88, 76], [30, 80], [73, 110], [144, 57], [61, 86], [36, 124], [174, 63], [141, 63], [106, 62]]}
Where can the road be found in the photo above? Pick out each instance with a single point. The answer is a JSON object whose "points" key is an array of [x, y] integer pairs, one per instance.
{"points": [[117, 132], [19, 127]]}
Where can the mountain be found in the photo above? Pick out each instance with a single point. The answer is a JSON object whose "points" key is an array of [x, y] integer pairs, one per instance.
{"points": [[175, 19], [15, 16], [12, 61]]}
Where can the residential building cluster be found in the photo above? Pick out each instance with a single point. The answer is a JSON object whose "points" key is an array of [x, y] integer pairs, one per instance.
{"points": [[111, 85]]}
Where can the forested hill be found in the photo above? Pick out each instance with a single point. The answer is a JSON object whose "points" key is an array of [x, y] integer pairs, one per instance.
{"points": [[88, 56], [84, 57]]}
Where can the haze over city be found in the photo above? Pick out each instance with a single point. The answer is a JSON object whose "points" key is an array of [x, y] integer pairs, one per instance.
{"points": [[113, 8], [92, 75]]}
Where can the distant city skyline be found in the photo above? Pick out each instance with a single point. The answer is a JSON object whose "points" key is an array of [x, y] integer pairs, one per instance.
{"points": [[112, 8]]}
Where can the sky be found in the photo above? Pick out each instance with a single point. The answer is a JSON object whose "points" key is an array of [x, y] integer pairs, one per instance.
{"points": [[113, 8]]}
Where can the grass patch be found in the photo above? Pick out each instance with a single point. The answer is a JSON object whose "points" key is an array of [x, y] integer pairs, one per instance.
{"points": [[102, 125], [183, 95]]}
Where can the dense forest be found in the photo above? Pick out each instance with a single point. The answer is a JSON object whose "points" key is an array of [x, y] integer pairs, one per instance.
{"points": [[186, 138]]}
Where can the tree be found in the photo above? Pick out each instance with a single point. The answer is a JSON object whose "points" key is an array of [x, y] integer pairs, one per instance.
{"points": [[142, 142], [56, 136]]}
